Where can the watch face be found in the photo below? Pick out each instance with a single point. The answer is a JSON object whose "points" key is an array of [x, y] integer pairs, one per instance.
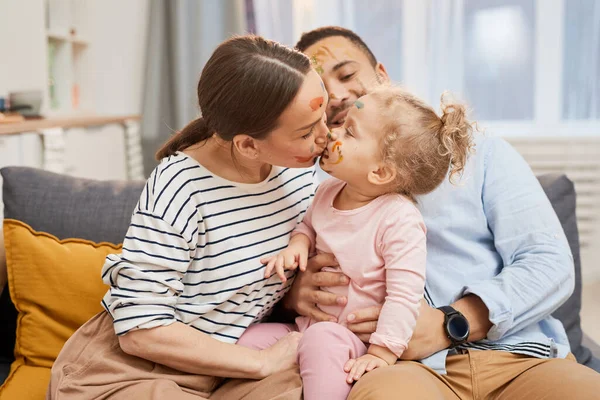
{"points": [[458, 327]]}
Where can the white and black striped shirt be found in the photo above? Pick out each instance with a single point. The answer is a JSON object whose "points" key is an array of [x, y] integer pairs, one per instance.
{"points": [[192, 251]]}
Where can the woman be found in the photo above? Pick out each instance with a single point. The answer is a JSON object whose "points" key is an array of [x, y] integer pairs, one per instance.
{"points": [[231, 187]]}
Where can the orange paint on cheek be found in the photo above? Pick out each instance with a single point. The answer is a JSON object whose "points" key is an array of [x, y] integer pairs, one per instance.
{"points": [[316, 103], [337, 146]]}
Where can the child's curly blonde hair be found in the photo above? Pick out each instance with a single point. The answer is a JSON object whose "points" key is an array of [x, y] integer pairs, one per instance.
{"points": [[420, 144]]}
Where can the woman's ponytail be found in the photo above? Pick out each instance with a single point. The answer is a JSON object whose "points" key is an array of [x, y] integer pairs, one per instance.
{"points": [[195, 132]]}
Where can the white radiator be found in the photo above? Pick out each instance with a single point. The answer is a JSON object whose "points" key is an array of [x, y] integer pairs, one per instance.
{"points": [[579, 159]]}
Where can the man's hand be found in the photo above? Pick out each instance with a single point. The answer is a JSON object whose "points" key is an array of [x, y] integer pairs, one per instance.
{"points": [[428, 337], [363, 322], [305, 293]]}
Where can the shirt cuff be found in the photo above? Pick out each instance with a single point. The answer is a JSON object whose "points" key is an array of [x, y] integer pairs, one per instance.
{"points": [[391, 343], [141, 316], [498, 304]]}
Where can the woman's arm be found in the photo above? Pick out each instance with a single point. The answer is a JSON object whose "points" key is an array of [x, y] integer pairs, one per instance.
{"points": [[183, 348]]}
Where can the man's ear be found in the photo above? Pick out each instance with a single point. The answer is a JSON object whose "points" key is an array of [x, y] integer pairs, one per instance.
{"points": [[382, 75], [382, 174], [246, 146]]}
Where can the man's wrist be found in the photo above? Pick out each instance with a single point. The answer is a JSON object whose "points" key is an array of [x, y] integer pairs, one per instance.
{"points": [[477, 314], [440, 339]]}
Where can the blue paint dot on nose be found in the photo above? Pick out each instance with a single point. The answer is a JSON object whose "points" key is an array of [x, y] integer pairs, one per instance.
{"points": [[359, 104]]}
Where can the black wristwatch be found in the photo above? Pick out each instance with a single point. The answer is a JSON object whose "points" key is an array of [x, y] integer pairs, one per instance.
{"points": [[455, 325]]}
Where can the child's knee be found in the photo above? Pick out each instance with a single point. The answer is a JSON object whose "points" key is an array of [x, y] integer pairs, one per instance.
{"points": [[322, 334]]}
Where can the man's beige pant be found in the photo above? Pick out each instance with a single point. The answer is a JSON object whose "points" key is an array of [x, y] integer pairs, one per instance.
{"points": [[93, 366], [482, 375]]}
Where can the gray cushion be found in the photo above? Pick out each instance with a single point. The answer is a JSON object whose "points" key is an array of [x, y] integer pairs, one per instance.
{"points": [[65, 207], [69, 207], [561, 192]]}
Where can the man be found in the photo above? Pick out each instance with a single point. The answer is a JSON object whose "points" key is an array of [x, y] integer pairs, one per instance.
{"points": [[498, 265]]}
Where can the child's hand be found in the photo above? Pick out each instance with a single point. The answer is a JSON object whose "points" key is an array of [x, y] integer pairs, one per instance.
{"points": [[356, 367], [289, 259]]}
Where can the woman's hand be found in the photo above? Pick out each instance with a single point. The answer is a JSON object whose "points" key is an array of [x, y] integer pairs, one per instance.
{"points": [[305, 293], [281, 356]]}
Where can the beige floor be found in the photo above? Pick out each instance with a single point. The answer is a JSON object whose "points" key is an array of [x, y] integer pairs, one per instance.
{"points": [[590, 311]]}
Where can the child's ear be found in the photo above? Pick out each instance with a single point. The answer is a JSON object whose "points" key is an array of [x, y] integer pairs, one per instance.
{"points": [[382, 174]]}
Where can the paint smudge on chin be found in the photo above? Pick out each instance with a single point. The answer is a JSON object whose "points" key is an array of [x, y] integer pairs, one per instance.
{"points": [[312, 148], [322, 85], [359, 104], [316, 103]]}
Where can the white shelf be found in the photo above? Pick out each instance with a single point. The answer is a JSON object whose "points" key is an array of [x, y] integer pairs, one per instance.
{"points": [[69, 86], [64, 37]]}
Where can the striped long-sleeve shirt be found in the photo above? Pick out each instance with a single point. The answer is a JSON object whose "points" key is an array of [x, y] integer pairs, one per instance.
{"points": [[192, 250]]}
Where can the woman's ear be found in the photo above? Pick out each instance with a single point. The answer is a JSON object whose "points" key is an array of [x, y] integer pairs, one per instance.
{"points": [[382, 174], [246, 145]]}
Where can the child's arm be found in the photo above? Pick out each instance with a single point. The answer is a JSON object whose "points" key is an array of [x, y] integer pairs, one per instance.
{"points": [[403, 246], [296, 253], [294, 256]]}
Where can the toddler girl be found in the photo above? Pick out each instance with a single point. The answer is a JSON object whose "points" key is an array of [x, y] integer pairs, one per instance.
{"points": [[391, 148]]}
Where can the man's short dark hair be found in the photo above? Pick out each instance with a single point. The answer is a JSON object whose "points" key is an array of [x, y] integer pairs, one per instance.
{"points": [[316, 35]]}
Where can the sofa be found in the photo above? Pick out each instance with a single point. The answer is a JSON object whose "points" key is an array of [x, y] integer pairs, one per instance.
{"points": [[57, 231]]}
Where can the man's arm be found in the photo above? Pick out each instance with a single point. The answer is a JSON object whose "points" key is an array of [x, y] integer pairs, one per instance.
{"points": [[538, 274]]}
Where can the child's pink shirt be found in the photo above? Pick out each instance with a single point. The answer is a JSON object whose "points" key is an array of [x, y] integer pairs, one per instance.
{"points": [[381, 248]]}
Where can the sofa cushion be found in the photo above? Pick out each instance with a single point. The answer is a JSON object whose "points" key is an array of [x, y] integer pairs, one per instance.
{"points": [[65, 207], [22, 383], [56, 287], [69, 207], [561, 193]]}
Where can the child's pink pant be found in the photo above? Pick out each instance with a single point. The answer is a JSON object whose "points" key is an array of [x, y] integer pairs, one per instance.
{"points": [[323, 350]]}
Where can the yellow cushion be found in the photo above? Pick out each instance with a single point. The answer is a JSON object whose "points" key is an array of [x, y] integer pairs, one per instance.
{"points": [[25, 382], [56, 287]]}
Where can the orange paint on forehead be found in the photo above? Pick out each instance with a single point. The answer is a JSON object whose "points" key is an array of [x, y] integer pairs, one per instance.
{"points": [[316, 103]]}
